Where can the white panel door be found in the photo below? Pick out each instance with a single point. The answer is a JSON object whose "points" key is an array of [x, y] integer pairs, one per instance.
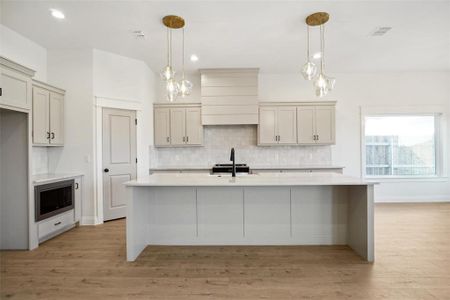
{"points": [[162, 127], [325, 124], [305, 125], [194, 128], [287, 125], [178, 126], [119, 159], [56, 119], [41, 121], [267, 125]]}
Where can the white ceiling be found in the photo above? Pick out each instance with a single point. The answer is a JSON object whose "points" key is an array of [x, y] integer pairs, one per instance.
{"points": [[270, 35]]}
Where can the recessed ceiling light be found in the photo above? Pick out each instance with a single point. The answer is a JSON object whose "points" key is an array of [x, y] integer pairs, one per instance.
{"points": [[194, 57], [317, 55], [57, 14]]}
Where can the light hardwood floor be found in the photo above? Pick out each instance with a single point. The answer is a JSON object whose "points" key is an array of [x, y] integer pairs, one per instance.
{"points": [[412, 262]]}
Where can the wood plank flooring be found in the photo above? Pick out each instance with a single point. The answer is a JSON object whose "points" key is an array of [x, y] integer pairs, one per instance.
{"points": [[412, 262]]}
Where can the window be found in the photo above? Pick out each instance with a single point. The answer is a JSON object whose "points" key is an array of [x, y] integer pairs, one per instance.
{"points": [[401, 145]]}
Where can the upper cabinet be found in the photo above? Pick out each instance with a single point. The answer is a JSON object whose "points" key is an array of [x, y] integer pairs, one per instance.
{"points": [[48, 115], [301, 123], [229, 96], [178, 125], [15, 85], [316, 124], [277, 125]]}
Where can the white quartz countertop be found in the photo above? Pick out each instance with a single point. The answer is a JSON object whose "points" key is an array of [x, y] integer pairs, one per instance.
{"points": [[261, 179], [255, 167], [53, 177]]}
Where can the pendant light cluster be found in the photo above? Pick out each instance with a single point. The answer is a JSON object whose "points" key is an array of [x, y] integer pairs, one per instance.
{"points": [[173, 87], [322, 83]]}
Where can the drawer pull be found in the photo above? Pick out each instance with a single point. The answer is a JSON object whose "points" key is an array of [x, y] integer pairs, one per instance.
{"points": [[57, 223]]}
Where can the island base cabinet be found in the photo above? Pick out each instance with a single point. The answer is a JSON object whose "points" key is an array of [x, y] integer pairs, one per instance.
{"points": [[267, 215], [273, 215]]}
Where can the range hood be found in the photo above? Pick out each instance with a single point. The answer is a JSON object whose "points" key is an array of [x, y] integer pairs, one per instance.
{"points": [[229, 96]]}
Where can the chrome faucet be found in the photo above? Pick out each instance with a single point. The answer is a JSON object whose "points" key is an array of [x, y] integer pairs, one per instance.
{"points": [[232, 158]]}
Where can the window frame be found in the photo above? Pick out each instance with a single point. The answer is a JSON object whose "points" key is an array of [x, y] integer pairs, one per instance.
{"points": [[438, 112]]}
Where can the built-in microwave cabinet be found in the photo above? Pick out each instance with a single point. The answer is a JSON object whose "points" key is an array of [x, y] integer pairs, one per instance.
{"points": [[277, 125], [15, 85], [296, 123], [177, 125], [48, 115]]}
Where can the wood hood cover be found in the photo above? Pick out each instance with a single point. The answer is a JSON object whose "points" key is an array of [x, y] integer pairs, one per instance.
{"points": [[229, 96]]}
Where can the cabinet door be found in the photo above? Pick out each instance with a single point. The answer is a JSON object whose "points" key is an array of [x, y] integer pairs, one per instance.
{"points": [[305, 125], [162, 127], [56, 119], [177, 126], [325, 126], [16, 89], [41, 118], [194, 128], [287, 125], [78, 199], [267, 125]]}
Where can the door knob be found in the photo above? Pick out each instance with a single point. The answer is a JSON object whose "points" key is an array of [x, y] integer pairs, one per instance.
{"points": [[106, 170]]}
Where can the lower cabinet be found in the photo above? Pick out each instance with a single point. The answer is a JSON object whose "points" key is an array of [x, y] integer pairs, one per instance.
{"points": [[177, 125], [54, 225]]}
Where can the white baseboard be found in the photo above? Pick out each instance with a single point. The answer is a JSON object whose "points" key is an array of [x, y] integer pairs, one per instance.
{"points": [[89, 220], [413, 199]]}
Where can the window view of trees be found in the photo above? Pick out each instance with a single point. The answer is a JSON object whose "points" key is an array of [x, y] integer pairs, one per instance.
{"points": [[400, 146]]}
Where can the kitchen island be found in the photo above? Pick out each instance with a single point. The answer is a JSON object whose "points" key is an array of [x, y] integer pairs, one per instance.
{"points": [[253, 209]]}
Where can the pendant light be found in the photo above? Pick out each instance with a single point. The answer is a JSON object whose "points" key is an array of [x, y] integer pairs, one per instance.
{"points": [[309, 69], [185, 85], [323, 84], [173, 88], [168, 73]]}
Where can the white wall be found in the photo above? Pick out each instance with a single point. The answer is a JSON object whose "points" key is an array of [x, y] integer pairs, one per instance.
{"points": [[130, 82], [23, 51], [71, 69]]}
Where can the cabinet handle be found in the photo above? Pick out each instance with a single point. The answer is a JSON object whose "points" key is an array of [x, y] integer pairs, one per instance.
{"points": [[167, 139], [187, 139], [76, 185], [57, 223], [48, 135], [53, 135], [317, 137], [184, 139]]}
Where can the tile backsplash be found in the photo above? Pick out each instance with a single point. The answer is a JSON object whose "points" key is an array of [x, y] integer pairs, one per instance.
{"points": [[218, 140], [40, 160]]}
